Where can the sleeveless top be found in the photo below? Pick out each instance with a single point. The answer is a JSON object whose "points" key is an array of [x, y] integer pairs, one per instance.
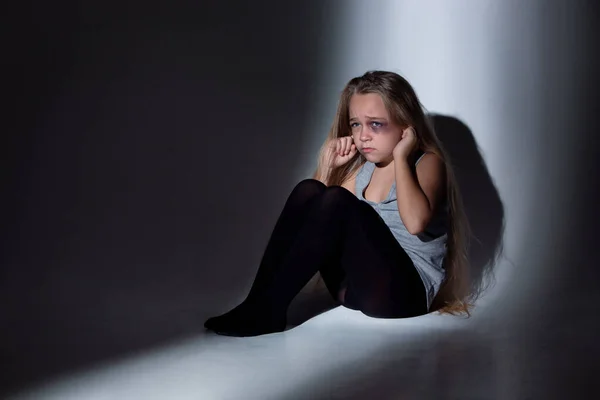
{"points": [[427, 249]]}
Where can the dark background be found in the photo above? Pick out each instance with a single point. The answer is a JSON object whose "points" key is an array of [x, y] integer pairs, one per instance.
{"points": [[148, 149]]}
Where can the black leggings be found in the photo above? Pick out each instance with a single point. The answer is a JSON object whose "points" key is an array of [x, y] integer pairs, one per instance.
{"points": [[329, 230]]}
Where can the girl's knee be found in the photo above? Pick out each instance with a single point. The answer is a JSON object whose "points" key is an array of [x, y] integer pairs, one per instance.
{"points": [[337, 198], [308, 187], [339, 194]]}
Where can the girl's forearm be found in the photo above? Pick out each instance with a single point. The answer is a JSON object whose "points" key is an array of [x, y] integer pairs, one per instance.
{"points": [[413, 205]]}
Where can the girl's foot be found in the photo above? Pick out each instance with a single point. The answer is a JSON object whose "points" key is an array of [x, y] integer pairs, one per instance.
{"points": [[247, 320]]}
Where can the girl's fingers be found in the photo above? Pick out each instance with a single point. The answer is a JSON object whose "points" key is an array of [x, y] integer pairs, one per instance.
{"points": [[344, 146], [351, 150]]}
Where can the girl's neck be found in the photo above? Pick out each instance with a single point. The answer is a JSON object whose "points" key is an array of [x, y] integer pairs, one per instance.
{"points": [[385, 168], [388, 163]]}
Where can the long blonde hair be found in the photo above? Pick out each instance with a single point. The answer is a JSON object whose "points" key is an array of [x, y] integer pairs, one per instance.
{"points": [[404, 107]]}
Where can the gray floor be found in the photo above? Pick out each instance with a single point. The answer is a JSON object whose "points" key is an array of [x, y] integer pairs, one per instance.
{"points": [[341, 354]]}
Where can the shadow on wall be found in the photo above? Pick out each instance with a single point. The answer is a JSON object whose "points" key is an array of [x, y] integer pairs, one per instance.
{"points": [[483, 206]]}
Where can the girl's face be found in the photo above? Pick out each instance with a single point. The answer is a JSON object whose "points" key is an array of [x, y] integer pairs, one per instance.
{"points": [[373, 131]]}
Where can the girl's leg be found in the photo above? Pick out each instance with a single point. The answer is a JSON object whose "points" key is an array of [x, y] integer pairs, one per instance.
{"points": [[332, 231], [345, 237], [381, 280], [284, 234]]}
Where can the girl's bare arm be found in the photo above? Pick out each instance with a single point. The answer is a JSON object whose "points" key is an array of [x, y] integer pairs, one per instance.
{"points": [[418, 194]]}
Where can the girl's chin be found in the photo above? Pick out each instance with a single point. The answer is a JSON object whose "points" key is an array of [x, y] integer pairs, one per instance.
{"points": [[380, 161], [370, 157], [375, 158], [368, 154]]}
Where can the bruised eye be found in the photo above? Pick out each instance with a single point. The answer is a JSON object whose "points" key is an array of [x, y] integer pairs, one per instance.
{"points": [[373, 124]]}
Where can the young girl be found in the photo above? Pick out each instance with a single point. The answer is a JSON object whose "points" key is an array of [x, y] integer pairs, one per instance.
{"points": [[381, 220]]}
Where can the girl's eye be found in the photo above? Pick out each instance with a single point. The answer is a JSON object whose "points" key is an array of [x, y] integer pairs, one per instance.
{"points": [[374, 124]]}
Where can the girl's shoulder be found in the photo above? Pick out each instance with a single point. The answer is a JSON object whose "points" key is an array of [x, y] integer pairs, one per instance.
{"points": [[426, 158]]}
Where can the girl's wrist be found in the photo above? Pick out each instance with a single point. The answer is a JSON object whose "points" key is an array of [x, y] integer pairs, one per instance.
{"points": [[401, 158]]}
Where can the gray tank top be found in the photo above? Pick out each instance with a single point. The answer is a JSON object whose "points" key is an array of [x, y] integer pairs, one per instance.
{"points": [[428, 249]]}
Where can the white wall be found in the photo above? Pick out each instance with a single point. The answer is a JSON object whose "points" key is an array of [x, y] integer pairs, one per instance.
{"points": [[505, 70]]}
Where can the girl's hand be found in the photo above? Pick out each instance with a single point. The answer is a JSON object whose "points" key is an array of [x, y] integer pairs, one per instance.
{"points": [[340, 151], [406, 145]]}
